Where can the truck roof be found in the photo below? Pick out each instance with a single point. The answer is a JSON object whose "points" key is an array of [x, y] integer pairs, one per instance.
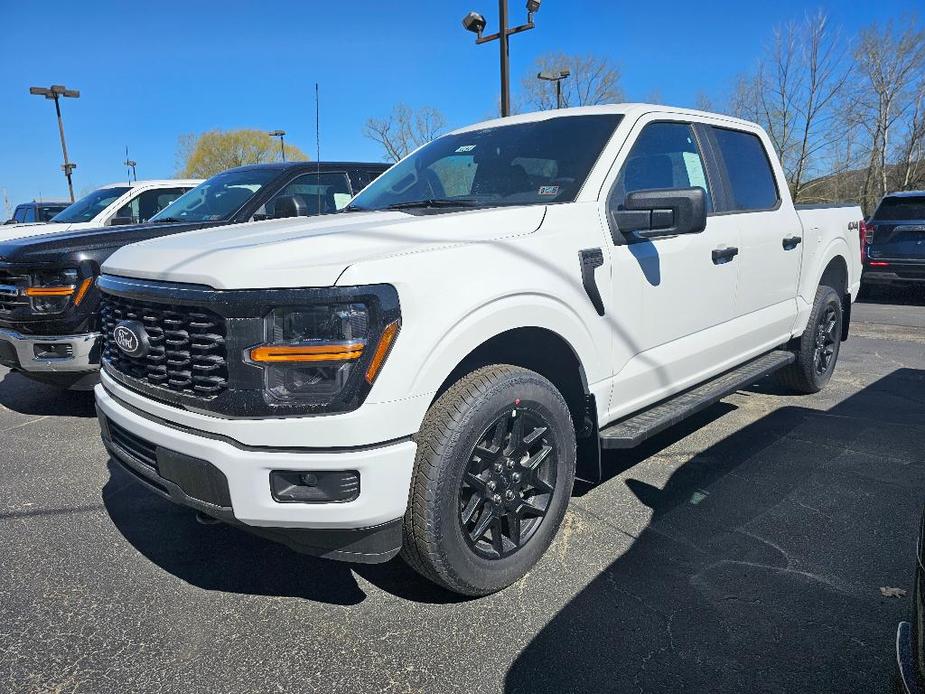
{"points": [[629, 109], [283, 165], [166, 182], [906, 194]]}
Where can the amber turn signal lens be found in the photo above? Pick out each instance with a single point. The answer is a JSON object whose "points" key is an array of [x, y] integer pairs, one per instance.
{"points": [[307, 353], [382, 350], [49, 291], [82, 290]]}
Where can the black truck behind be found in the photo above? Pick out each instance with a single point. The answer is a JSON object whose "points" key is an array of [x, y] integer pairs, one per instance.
{"points": [[49, 326]]}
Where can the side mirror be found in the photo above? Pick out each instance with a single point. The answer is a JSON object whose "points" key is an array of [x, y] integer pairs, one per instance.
{"points": [[121, 221], [663, 212], [289, 206]]}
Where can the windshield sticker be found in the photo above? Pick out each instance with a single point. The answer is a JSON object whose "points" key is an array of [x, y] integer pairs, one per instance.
{"points": [[465, 148], [549, 190]]}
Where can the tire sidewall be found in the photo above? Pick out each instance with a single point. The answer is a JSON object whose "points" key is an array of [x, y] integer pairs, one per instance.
{"points": [[825, 298], [538, 395]]}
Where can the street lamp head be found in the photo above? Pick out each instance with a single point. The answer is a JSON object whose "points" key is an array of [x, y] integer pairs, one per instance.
{"points": [[553, 75], [474, 22], [276, 133], [533, 6]]}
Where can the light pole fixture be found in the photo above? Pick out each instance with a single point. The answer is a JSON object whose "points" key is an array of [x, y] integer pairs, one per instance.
{"points": [[557, 77], [280, 134], [475, 23], [130, 164], [55, 92]]}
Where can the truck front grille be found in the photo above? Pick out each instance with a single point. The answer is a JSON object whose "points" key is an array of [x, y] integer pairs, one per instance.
{"points": [[187, 351], [11, 281]]}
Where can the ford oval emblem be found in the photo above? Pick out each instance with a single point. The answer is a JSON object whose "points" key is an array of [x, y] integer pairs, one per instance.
{"points": [[131, 338]]}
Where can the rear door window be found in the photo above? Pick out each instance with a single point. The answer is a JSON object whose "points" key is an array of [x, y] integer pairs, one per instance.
{"points": [[751, 178]]}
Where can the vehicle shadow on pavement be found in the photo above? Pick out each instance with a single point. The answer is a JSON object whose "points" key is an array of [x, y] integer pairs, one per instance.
{"points": [[761, 565], [220, 557], [25, 396]]}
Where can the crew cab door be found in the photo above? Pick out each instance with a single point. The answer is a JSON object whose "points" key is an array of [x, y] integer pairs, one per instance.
{"points": [[770, 238], [685, 285]]}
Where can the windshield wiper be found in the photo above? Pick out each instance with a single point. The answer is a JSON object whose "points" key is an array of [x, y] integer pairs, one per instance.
{"points": [[166, 220], [354, 208], [434, 202]]}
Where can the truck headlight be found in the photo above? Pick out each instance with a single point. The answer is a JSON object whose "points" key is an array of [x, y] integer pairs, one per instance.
{"points": [[51, 291], [314, 353]]}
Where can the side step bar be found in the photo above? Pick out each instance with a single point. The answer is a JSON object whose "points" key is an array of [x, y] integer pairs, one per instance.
{"points": [[632, 431]]}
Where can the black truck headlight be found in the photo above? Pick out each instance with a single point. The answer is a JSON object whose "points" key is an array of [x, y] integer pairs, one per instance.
{"points": [[313, 354], [53, 290]]}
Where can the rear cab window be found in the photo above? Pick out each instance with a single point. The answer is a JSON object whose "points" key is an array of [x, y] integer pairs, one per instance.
{"points": [[751, 182]]}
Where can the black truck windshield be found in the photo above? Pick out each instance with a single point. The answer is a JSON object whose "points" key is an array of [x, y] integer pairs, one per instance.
{"points": [[85, 209], [216, 199], [901, 209], [520, 164]]}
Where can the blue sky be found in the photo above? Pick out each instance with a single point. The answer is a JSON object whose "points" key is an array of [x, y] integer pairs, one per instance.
{"points": [[149, 72]]}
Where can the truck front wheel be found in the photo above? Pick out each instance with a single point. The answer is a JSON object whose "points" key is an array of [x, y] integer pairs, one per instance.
{"points": [[493, 476], [817, 349]]}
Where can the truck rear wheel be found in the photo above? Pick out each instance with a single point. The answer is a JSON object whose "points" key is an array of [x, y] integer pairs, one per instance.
{"points": [[818, 347], [493, 476]]}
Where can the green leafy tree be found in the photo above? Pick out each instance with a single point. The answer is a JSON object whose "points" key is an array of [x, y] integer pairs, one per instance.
{"points": [[204, 155]]}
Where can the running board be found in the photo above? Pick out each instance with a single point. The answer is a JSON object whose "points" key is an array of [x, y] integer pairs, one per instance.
{"points": [[632, 431]]}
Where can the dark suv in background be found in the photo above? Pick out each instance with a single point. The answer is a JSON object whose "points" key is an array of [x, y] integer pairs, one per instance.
{"points": [[49, 323], [894, 252], [35, 212]]}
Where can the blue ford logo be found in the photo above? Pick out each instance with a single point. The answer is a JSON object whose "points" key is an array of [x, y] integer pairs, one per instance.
{"points": [[131, 338]]}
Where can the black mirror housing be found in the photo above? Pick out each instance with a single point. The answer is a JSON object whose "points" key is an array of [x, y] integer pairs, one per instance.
{"points": [[662, 212], [289, 206], [121, 221]]}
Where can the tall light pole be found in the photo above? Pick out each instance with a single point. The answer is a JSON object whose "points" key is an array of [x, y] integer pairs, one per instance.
{"points": [[475, 23], [55, 92], [556, 77], [280, 134]]}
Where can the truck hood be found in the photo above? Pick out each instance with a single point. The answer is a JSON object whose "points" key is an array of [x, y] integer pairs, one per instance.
{"points": [[68, 248], [20, 231], [310, 252]]}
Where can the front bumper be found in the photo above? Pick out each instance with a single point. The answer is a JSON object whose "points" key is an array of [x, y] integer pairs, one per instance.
{"points": [[231, 481], [50, 353]]}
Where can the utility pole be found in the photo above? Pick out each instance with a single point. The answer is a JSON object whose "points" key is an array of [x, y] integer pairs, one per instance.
{"points": [[55, 92], [475, 23], [280, 134]]}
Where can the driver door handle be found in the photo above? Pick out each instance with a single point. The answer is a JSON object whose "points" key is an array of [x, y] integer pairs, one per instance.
{"points": [[791, 242], [724, 254]]}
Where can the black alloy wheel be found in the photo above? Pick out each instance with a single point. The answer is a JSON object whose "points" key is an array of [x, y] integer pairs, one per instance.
{"points": [[509, 484]]}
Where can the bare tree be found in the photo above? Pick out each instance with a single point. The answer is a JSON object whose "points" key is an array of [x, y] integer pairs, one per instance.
{"points": [[891, 62], [405, 129], [592, 80], [793, 93]]}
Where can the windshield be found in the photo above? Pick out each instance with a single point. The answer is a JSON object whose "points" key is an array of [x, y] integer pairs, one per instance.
{"points": [[521, 164], [901, 209], [85, 209], [218, 198]]}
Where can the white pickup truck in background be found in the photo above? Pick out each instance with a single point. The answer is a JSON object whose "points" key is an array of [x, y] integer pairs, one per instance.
{"points": [[427, 371], [112, 205]]}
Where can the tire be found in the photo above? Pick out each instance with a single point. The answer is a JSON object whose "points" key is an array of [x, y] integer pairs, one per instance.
{"points": [[818, 346], [467, 434]]}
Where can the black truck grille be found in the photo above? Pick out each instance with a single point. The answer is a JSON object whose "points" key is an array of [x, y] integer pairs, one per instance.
{"points": [[187, 346], [11, 281]]}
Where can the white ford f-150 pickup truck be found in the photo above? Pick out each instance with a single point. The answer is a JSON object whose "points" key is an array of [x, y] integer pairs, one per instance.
{"points": [[428, 371], [112, 205]]}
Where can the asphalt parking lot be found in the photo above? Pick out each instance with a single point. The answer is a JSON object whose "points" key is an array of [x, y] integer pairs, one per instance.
{"points": [[742, 551]]}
